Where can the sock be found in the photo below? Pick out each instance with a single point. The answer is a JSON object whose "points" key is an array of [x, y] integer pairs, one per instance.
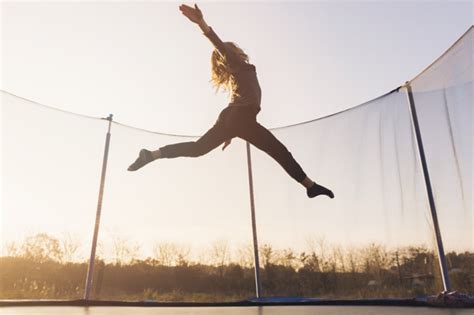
{"points": [[316, 190], [143, 159]]}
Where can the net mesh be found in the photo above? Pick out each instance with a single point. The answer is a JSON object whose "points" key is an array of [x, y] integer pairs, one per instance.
{"points": [[443, 98], [181, 229], [50, 166]]}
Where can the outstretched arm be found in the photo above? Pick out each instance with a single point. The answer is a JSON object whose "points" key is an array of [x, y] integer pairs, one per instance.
{"points": [[195, 15]]}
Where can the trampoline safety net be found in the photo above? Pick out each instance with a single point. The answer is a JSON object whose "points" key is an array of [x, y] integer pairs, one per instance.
{"points": [[181, 229]]}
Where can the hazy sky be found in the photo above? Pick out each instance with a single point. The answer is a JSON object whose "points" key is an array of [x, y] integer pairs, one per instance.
{"points": [[149, 66]]}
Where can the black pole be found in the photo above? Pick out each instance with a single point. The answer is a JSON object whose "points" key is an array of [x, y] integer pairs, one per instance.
{"points": [[258, 283], [90, 270], [434, 216]]}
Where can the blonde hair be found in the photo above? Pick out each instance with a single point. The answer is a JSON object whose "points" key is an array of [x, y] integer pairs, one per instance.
{"points": [[221, 72]]}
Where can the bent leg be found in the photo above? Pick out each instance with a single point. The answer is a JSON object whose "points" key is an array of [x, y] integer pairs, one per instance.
{"points": [[209, 141], [263, 139]]}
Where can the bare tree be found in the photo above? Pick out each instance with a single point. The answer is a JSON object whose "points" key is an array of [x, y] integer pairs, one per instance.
{"points": [[376, 258], [310, 261], [352, 260], [70, 244], [124, 251], [171, 254], [163, 252], [220, 253], [182, 255], [12, 249], [287, 258], [338, 257], [245, 256], [267, 255], [42, 247], [319, 246]]}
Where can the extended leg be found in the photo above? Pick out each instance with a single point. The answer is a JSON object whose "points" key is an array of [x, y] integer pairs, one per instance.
{"points": [[209, 141], [263, 139]]}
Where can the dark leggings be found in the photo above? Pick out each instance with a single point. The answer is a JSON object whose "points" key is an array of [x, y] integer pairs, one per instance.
{"points": [[238, 122]]}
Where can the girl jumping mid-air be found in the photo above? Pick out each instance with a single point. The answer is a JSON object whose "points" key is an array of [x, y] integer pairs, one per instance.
{"points": [[232, 71]]}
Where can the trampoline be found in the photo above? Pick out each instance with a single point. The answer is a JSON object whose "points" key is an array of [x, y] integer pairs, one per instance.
{"points": [[388, 251]]}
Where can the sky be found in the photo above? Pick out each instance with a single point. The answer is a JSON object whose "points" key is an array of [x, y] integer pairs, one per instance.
{"points": [[149, 66]]}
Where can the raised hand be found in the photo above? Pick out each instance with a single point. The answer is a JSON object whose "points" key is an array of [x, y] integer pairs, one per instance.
{"points": [[193, 14]]}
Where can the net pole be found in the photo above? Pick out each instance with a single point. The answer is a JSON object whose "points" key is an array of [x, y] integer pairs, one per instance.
{"points": [[90, 269], [258, 283], [439, 241]]}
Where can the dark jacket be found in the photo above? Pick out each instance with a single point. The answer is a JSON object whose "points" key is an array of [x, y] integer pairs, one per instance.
{"points": [[248, 92]]}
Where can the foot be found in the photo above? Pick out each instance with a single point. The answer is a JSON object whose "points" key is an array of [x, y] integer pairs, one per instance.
{"points": [[317, 190], [143, 159]]}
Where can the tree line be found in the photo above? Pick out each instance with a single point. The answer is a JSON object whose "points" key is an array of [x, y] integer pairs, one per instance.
{"points": [[42, 266]]}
